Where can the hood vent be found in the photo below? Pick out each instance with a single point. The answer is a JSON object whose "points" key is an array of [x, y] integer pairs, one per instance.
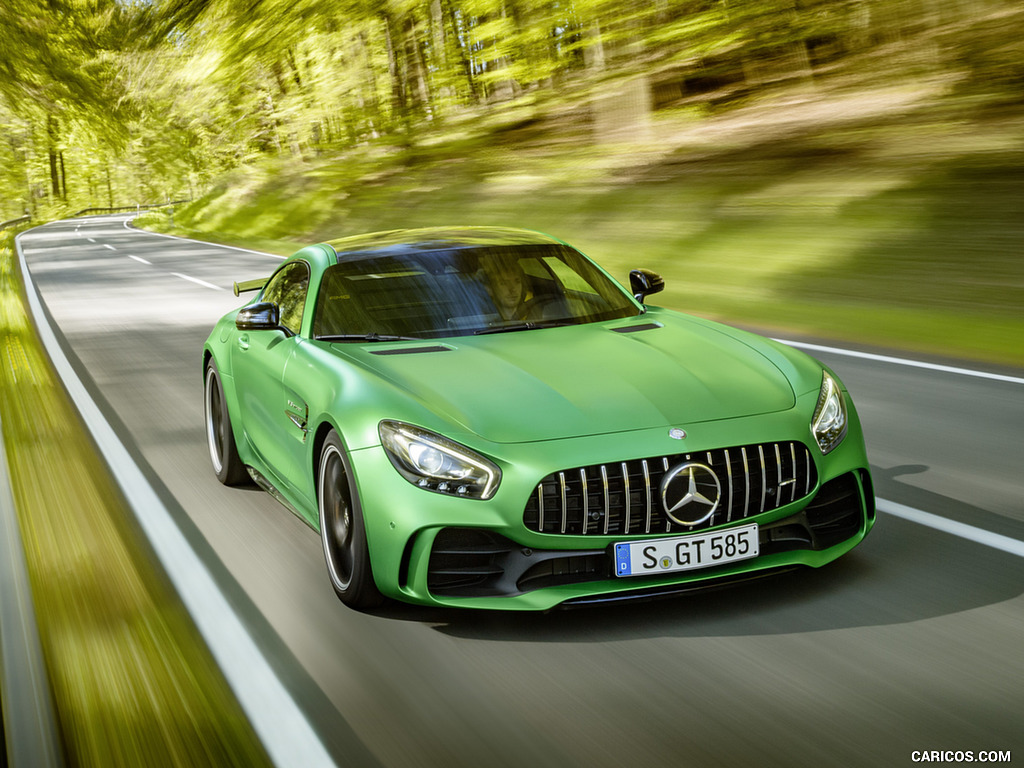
{"points": [[411, 350], [635, 328]]}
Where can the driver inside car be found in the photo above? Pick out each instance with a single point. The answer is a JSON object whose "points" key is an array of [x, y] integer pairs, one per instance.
{"points": [[507, 285]]}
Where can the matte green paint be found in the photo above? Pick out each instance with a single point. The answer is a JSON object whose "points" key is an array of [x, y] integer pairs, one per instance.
{"points": [[534, 402]]}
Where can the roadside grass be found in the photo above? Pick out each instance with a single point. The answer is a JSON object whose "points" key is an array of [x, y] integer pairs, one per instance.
{"points": [[132, 680], [888, 218]]}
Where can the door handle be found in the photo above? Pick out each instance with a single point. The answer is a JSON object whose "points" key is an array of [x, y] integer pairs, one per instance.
{"points": [[243, 341]]}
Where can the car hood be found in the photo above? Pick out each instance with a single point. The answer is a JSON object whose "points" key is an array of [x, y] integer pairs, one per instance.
{"points": [[583, 380]]}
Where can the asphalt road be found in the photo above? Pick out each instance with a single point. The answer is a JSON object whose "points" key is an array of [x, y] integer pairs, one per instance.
{"points": [[912, 642]]}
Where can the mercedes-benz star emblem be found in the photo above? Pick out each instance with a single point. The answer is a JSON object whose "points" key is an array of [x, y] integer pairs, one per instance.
{"points": [[690, 493]]}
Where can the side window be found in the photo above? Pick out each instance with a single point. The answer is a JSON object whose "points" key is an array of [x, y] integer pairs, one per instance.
{"points": [[569, 278], [287, 289]]}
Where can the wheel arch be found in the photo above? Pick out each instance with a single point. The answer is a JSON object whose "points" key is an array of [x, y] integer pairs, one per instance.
{"points": [[323, 429]]}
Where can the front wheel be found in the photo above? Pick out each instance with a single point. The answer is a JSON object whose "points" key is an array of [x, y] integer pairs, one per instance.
{"points": [[342, 530], [219, 436]]}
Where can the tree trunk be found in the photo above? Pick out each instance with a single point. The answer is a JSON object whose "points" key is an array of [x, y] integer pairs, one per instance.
{"points": [[63, 180], [417, 66], [464, 59], [51, 135], [593, 53], [397, 74]]}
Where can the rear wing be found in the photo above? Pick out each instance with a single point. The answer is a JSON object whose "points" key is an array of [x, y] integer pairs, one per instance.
{"points": [[250, 285]]}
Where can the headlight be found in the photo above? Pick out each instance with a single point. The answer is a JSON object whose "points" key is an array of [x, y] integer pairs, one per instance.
{"points": [[435, 463], [829, 421]]}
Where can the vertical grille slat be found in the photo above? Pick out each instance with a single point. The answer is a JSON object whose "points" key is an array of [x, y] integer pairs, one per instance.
{"points": [[778, 466], [565, 507], [792, 459], [728, 472], [607, 511], [625, 497], [626, 492], [764, 475], [540, 507], [746, 479], [807, 487], [586, 501], [647, 494]]}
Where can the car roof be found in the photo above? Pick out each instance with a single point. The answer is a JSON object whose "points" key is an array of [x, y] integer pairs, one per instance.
{"points": [[396, 241]]}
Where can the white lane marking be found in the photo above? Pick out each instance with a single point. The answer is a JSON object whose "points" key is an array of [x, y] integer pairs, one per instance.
{"points": [[964, 531], [91, 240], [127, 225], [107, 245], [197, 281], [139, 259], [902, 361], [281, 726]]}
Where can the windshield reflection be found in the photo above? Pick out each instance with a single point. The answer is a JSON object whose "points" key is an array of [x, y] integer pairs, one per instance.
{"points": [[463, 291]]}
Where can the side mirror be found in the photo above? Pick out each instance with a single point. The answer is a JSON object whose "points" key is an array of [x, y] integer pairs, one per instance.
{"points": [[262, 316], [644, 282]]}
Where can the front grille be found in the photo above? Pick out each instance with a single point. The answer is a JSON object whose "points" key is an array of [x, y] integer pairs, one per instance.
{"points": [[625, 498]]}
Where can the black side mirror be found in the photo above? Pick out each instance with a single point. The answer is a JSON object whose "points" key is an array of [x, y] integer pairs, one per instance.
{"points": [[261, 316], [644, 282]]}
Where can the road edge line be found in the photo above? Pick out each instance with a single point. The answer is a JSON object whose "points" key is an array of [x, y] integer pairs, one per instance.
{"points": [[280, 724], [903, 361], [962, 530]]}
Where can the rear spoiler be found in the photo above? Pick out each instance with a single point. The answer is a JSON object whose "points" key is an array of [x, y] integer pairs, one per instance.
{"points": [[250, 285]]}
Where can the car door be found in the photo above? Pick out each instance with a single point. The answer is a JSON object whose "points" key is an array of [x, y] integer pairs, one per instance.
{"points": [[273, 416]]}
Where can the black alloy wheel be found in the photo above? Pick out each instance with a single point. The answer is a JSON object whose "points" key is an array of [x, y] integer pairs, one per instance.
{"points": [[219, 435], [342, 530]]}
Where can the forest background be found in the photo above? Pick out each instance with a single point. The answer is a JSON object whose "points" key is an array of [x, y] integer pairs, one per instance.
{"points": [[845, 169], [851, 169]]}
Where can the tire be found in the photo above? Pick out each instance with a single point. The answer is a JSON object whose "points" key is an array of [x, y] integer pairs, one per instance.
{"points": [[342, 530], [220, 437]]}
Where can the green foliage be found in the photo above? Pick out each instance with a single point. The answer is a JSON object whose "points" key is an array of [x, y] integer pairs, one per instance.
{"points": [[855, 215], [109, 102]]}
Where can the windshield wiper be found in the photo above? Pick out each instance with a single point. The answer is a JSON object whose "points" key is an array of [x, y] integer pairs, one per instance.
{"points": [[522, 327], [365, 337]]}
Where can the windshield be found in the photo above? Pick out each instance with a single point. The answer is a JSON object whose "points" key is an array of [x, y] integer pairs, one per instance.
{"points": [[464, 291]]}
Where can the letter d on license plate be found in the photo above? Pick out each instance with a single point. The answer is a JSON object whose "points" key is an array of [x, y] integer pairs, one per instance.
{"points": [[685, 553]]}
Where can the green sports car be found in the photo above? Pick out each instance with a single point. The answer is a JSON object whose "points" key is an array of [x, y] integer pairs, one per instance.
{"points": [[483, 417]]}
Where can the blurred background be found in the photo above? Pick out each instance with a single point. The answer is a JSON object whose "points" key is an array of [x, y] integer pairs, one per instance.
{"points": [[845, 168]]}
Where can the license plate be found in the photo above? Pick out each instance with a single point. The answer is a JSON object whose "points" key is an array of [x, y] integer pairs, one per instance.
{"points": [[685, 553]]}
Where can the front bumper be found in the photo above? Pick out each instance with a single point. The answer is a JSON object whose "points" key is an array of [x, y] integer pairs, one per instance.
{"points": [[435, 549], [470, 562]]}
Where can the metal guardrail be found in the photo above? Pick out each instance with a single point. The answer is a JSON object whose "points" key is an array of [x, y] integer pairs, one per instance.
{"points": [[15, 222], [120, 209], [124, 208]]}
